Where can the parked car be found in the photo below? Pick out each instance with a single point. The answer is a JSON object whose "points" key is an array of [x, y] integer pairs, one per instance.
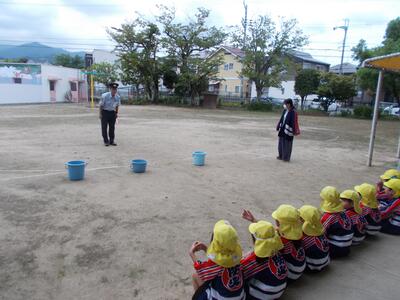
{"points": [[396, 111], [316, 104], [389, 109]]}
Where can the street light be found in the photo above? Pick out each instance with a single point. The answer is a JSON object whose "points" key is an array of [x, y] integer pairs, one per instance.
{"points": [[345, 27]]}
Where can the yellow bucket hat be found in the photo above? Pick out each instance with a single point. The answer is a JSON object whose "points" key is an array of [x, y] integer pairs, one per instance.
{"points": [[330, 200], [289, 222], [312, 220], [394, 184], [353, 196], [225, 249], [267, 240], [390, 174], [368, 194]]}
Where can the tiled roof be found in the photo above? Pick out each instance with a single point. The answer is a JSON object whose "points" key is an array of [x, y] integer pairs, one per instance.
{"points": [[347, 68]]}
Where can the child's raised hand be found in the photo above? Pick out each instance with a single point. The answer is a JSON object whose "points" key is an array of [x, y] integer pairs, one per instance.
{"points": [[198, 246], [247, 215]]}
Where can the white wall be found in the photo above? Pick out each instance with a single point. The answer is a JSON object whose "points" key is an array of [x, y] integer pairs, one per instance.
{"points": [[65, 75], [100, 56], [288, 91], [12, 93]]}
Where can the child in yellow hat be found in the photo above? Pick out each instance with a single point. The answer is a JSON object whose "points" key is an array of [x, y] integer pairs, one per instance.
{"points": [[288, 223], [221, 275], [369, 207], [351, 202], [389, 174], [390, 208], [264, 269], [314, 241], [336, 223]]}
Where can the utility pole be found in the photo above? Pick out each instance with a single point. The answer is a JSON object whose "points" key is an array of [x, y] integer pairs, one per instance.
{"points": [[345, 28], [244, 44]]}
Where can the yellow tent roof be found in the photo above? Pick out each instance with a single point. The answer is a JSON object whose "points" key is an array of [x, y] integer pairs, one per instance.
{"points": [[389, 62]]}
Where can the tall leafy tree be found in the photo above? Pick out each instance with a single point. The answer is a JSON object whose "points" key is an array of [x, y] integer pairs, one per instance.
{"points": [[187, 43], [266, 50], [138, 44], [105, 73], [334, 87], [367, 78], [307, 82]]}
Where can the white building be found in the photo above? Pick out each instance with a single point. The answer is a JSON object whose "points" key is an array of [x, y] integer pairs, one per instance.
{"points": [[103, 56], [40, 83]]}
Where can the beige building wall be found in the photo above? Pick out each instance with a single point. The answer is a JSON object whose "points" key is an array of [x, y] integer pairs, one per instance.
{"points": [[229, 71]]}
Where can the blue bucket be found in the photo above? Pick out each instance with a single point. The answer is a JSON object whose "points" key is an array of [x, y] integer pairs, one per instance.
{"points": [[138, 165], [76, 169], [198, 158]]}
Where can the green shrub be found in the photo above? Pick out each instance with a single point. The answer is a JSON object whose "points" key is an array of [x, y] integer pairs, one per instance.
{"points": [[136, 101], [363, 111], [259, 106], [345, 113]]}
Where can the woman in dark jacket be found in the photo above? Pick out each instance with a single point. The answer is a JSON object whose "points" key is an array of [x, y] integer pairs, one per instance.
{"points": [[286, 129]]}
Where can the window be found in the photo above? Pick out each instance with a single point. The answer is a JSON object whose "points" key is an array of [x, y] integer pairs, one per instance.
{"points": [[230, 66], [237, 89], [73, 86], [226, 88], [52, 85], [226, 66]]}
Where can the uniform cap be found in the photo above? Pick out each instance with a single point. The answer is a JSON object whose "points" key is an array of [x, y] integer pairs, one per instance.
{"points": [[354, 197], [225, 249], [312, 220], [267, 240], [393, 184], [368, 194], [289, 222], [330, 200]]}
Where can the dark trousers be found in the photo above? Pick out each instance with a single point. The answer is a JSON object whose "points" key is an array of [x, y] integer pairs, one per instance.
{"points": [[285, 148], [108, 120]]}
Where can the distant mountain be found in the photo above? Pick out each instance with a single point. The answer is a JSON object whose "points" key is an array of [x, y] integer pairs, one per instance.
{"points": [[34, 51]]}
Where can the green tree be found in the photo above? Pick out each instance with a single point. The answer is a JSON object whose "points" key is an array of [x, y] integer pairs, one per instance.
{"points": [[307, 82], [138, 44], [334, 87], [69, 61], [367, 78], [105, 73], [185, 43], [170, 79], [266, 50]]}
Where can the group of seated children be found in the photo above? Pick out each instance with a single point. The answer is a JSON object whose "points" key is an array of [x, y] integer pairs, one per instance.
{"points": [[305, 238]]}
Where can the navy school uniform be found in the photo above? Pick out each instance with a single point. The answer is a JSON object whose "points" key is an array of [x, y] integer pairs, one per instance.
{"points": [[373, 218], [359, 225], [338, 229], [295, 258], [219, 283], [264, 280], [390, 212], [317, 251]]}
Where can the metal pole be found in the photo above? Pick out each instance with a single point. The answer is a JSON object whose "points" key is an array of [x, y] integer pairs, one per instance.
{"points": [[346, 26], [398, 149], [244, 45], [375, 118], [91, 91]]}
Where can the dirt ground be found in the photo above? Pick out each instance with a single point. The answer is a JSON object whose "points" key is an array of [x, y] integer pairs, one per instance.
{"points": [[119, 235]]}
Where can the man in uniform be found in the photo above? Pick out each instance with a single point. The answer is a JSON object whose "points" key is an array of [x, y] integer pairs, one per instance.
{"points": [[109, 105]]}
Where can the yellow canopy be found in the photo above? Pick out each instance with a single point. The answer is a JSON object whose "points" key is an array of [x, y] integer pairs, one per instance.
{"points": [[390, 62]]}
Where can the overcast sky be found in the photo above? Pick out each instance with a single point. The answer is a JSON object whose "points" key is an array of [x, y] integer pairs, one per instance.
{"points": [[81, 24]]}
